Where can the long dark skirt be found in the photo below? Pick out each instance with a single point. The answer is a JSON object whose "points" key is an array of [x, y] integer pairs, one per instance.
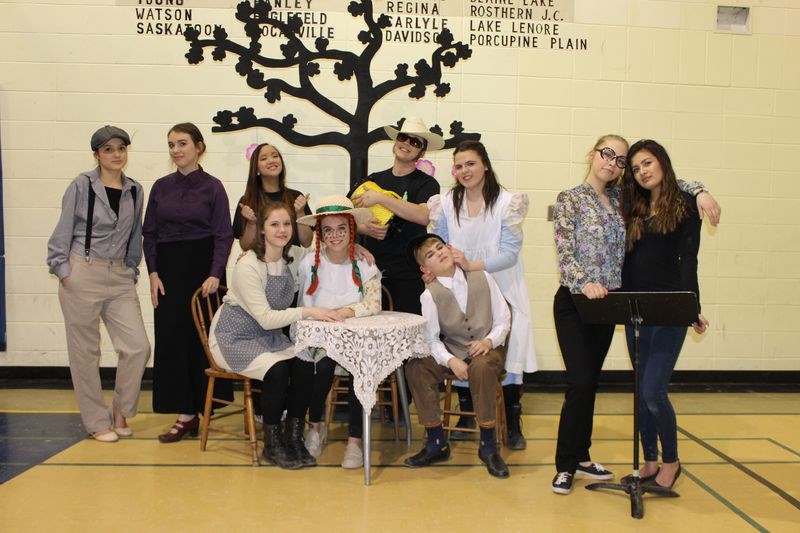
{"points": [[179, 380]]}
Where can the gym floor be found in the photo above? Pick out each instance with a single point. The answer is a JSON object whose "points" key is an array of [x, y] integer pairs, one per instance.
{"points": [[740, 454]]}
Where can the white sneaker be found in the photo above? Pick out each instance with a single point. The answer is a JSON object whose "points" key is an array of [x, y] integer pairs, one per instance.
{"points": [[353, 456], [315, 439]]}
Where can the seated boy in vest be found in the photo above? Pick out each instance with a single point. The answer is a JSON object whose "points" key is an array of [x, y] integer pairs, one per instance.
{"points": [[468, 321]]}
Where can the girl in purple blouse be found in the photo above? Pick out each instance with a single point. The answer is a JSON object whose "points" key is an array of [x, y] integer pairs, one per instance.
{"points": [[187, 239]]}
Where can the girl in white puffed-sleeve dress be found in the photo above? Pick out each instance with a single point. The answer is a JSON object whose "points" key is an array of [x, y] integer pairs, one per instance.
{"points": [[487, 229]]}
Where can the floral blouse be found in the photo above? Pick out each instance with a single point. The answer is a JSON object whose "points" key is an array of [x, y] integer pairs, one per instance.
{"points": [[590, 238]]}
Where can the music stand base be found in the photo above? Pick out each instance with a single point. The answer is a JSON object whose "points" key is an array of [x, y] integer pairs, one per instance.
{"points": [[636, 491]]}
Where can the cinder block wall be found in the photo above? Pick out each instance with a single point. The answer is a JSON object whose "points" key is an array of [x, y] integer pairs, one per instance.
{"points": [[727, 106]]}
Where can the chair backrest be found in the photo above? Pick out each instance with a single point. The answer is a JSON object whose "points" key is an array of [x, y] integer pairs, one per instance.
{"points": [[389, 301], [203, 309]]}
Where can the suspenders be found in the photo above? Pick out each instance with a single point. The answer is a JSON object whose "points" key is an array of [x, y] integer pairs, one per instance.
{"points": [[89, 217], [89, 220]]}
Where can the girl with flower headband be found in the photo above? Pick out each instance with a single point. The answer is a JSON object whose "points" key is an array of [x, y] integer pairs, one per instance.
{"points": [[333, 277], [266, 181]]}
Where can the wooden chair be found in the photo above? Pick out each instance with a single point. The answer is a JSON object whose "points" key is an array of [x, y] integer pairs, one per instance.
{"points": [[203, 310], [338, 392], [448, 411]]}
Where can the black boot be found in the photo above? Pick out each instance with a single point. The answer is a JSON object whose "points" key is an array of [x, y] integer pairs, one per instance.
{"points": [[275, 451], [294, 442], [514, 438], [464, 404]]}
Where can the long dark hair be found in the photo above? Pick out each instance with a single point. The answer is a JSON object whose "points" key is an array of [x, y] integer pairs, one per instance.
{"points": [[491, 187], [259, 244], [670, 209], [192, 131], [254, 192]]}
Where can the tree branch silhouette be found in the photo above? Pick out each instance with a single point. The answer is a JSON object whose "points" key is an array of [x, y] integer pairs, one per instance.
{"points": [[294, 54]]}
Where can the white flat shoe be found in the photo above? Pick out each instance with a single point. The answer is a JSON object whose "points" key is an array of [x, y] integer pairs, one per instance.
{"points": [[124, 432], [353, 456], [109, 436]]}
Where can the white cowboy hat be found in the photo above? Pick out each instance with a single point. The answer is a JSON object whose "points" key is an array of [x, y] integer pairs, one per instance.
{"points": [[337, 205], [415, 127]]}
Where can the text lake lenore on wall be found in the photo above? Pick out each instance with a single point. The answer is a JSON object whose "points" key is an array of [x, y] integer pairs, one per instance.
{"points": [[532, 24]]}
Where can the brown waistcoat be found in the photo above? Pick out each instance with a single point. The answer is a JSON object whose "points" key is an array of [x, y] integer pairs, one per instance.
{"points": [[457, 328]]}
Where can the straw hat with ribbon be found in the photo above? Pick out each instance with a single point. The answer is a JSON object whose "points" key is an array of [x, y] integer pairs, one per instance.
{"points": [[336, 205]]}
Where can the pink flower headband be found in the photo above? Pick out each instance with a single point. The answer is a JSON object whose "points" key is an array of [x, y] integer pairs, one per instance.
{"points": [[426, 166], [250, 149]]}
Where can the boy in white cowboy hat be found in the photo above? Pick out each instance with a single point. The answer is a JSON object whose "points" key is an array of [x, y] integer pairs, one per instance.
{"points": [[334, 278], [413, 187]]}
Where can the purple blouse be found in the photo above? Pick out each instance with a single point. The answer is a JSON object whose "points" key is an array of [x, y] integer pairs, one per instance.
{"points": [[185, 208]]}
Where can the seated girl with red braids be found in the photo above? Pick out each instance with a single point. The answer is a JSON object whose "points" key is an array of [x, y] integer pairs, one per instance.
{"points": [[332, 277]]}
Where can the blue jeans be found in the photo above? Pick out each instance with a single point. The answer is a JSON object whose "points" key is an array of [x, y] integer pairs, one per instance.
{"points": [[659, 347]]}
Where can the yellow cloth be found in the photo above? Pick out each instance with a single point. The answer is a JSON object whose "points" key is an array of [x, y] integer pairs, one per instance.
{"points": [[382, 214]]}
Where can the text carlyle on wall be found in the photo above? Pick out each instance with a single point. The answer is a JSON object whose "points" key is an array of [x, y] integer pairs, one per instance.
{"points": [[533, 24]]}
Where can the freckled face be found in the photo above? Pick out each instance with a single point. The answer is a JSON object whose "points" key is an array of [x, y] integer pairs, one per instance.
{"points": [[335, 232], [269, 162], [469, 169], [647, 170], [183, 151], [278, 229]]}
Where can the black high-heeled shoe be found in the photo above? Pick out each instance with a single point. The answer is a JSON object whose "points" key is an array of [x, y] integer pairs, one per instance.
{"points": [[627, 480], [656, 483]]}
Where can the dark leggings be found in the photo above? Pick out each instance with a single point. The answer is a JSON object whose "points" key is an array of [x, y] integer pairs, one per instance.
{"points": [[322, 381], [285, 379]]}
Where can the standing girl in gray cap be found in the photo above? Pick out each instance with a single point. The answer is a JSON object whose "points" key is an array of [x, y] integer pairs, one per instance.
{"points": [[94, 250]]}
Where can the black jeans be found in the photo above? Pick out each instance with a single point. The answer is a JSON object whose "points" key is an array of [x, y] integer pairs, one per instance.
{"points": [[583, 348]]}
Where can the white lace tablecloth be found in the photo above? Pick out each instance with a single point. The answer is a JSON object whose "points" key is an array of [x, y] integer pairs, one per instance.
{"points": [[370, 347]]}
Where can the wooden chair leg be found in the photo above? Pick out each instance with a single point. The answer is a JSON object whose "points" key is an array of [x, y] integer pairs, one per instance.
{"points": [[448, 403], [206, 413], [250, 422], [501, 432]]}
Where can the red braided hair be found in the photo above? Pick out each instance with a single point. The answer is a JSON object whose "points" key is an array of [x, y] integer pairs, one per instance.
{"points": [[356, 270]]}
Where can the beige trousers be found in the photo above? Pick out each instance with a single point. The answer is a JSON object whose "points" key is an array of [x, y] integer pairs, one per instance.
{"points": [[96, 289], [424, 376]]}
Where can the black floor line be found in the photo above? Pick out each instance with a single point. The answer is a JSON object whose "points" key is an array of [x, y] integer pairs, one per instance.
{"points": [[730, 460]]}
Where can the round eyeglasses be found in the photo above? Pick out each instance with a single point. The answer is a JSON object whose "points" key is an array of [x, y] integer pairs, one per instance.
{"points": [[610, 155]]}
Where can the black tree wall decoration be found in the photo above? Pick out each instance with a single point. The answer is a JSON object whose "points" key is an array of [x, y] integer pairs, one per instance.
{"points": [[347, 65]]}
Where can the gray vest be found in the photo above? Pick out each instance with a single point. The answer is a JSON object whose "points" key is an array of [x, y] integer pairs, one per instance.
{"points": [[457, 328]]}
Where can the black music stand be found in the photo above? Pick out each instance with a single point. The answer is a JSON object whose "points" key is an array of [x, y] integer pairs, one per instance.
{"points": [[638, 309]]}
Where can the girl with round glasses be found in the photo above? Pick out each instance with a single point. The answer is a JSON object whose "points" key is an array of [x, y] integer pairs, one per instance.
{"points": [[590, 243], [334, 277]]}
